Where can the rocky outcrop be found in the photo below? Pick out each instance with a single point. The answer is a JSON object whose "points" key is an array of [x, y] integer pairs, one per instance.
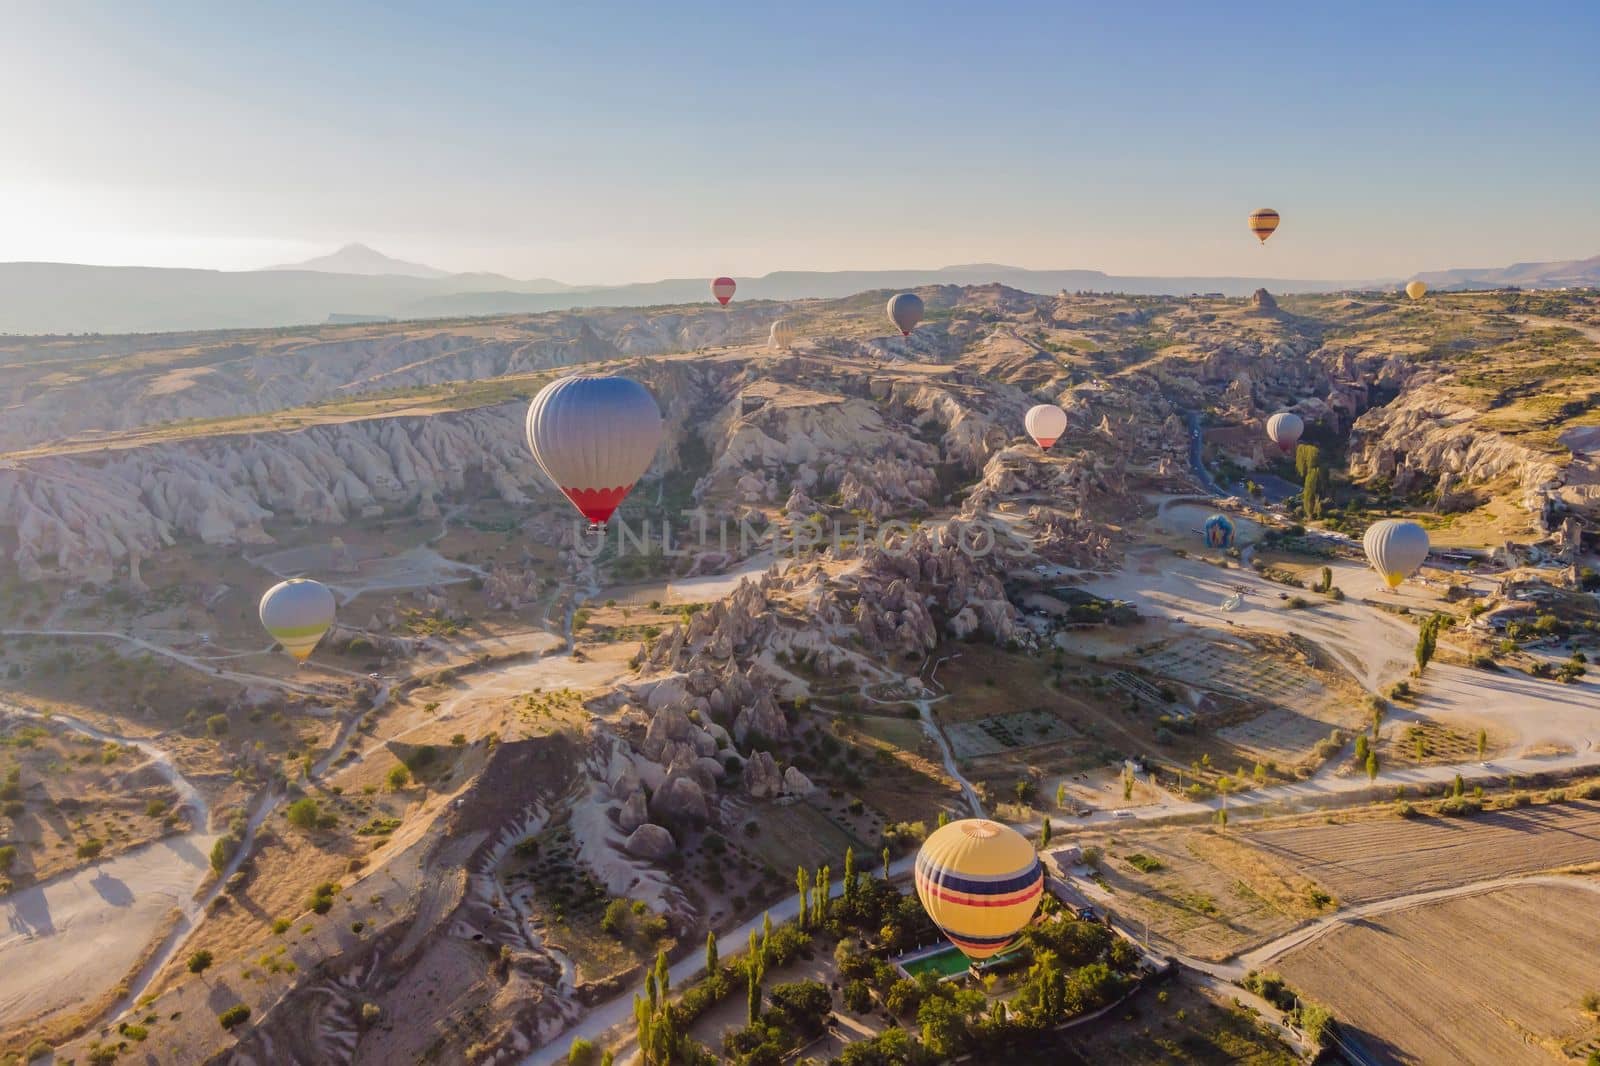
{"points": [[762, 778], [85, 516], [1428, 438], [650, 842]]}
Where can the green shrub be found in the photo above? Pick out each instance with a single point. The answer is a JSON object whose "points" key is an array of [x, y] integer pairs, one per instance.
{"points": [[200, 961], [234, 1016], [303, 813]]}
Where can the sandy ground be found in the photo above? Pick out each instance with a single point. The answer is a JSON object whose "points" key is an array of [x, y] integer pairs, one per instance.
{"points": [[74, 938], [1376, 648]]}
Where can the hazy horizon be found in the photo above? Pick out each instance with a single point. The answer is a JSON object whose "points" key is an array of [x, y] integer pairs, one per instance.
{"points": [[601, 147]]}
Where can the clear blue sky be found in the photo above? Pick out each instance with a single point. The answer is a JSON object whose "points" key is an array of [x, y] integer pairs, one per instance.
{"points": [[617, 142]]}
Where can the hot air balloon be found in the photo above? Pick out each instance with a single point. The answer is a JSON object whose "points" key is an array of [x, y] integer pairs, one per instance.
{"points": [[1395, 548], [1416, 289], [1045, 423], [784, 334], [594, 437], [722, 289], [1285, 428], [905, 311], [980, 882], [1263, 222], [296, 613], [1218, 531]]}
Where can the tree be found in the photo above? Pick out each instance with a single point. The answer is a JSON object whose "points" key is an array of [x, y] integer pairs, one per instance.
{"points": [[711, 954], [1222, 819], [1311, 493], [1362, 748], [1372, 766], [886, 864], [1044, 834], [399, 778], [1061, 794], [1483, 743], [944, 819], [1024, 790], [944, 1030], [803, 888], [1427, 640], [581, 1053], [1327, 579], [303, 813], [753, 990], [802, 1006], [1127, 782], [199, 962], [849, 888], [222, 851]]}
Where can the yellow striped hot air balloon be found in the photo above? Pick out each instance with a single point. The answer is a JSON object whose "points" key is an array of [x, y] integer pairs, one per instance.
{"points": [[1262, 222], [297, 613], [1416, 289], [981, 883]]}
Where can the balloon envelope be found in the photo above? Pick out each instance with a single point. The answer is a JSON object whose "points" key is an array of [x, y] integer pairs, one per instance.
{"points": [[297, 613], [1284, 429], [1395, 548], [1416, 289], [594, 437], [1262, 222], [1218, 531], [1045, 424], [783, 335], [722, 289], [905, 311], [981, 883]]}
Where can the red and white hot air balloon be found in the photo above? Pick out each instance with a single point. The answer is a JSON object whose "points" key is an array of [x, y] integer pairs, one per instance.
{"points": [[1045, 423], [594, 437], [722, 289], [1284, 429]]}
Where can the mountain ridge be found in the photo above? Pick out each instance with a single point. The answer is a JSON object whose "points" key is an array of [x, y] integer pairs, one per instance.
{"points": [[53, 298]]}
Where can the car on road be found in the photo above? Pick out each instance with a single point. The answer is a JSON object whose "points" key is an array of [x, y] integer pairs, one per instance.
{"points": [[1122, 814]]}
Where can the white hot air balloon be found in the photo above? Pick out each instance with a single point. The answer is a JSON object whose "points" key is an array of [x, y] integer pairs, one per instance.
{"points": [[783, 335], [1045, 424], [297, 613], [1284, 429], [594, 437], [1396, 548]]}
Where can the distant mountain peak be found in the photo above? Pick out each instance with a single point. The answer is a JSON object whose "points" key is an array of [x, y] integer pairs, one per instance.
{"points": [[357, 258]]}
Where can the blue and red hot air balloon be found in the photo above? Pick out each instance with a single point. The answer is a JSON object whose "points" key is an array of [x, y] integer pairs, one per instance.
{"points": [[594, 437]]}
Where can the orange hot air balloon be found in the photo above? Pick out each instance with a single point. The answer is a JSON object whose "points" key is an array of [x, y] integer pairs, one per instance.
{"points": [[1263, 222], [722, 289]]}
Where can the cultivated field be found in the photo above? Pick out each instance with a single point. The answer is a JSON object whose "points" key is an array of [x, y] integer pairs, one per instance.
{"points": [[1204, 893], [1361, 861], [1494, 978]]}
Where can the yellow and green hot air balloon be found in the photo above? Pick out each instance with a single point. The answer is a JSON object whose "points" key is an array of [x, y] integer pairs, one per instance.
{"points": [[1416, 289], [297, 613], [981, 883]]}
